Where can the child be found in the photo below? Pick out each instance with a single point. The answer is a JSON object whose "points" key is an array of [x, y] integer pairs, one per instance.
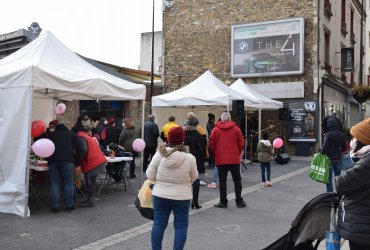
{"points": [[264, 151]]}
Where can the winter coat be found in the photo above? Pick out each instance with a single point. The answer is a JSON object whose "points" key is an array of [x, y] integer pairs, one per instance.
{"points": [[354, 208], [151, 134], [65, 142], [334, 141], [127, 137], [111, 136], [94, 157], [226, 143], [173, 170], [197, 147], [210, 126], [264, 151]]}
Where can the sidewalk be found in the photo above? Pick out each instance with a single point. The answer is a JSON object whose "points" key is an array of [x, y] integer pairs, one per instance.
{"points": [[114, 223]]}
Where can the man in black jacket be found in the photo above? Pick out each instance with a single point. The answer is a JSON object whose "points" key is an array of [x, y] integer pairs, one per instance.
{"points": [[61, 166], [334, 146], [151, 134]]}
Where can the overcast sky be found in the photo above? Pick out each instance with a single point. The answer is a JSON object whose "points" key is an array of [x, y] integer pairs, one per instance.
{"points": [[105, 30]]}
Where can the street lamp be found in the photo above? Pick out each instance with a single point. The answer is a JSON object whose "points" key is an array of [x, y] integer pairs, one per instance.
{"points": [[168, 4]]}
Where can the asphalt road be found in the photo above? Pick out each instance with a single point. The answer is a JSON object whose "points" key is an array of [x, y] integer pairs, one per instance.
{"points": [[114, 223]]}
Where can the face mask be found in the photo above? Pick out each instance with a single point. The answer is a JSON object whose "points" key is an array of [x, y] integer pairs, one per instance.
{"points": [[86, 123], [123, 125], [105, 122], [51, 129]]}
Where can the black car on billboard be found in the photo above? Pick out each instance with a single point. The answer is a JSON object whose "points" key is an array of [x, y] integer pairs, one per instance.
{"points": [[262, 62]]}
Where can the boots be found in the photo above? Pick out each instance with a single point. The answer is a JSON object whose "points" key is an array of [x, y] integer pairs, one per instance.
{"points": [[89, 202], [194, 202]]}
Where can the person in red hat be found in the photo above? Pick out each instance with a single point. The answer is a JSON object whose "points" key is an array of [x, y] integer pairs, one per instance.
{"points": [[173, 169]]}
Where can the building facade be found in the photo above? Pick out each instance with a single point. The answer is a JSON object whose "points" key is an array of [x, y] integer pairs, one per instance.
{"points": [[203, 35]]}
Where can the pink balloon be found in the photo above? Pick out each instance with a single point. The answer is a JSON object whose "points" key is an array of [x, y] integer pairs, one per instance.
{"points": [[278, 143], [43, 147], [60, 108], [138, 145]]}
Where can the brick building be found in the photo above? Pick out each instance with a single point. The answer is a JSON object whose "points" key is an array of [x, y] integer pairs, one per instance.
{"points": [[200, 36]]}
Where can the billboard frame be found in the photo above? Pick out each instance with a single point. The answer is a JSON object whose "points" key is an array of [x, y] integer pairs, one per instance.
{"points": [[300, 71]]}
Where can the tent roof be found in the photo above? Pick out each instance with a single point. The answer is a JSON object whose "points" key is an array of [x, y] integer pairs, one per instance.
{"points": [[53, 70], [256, 100], [205, 90]]}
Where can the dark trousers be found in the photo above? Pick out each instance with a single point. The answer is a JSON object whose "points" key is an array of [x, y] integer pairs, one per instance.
{"points": [[222, 176], [355, 246], [148, 152]]}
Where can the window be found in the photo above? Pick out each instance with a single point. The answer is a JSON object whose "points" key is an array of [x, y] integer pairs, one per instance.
{"points": [[353, 41], [327, 9], [327, 49], [343, 26]]}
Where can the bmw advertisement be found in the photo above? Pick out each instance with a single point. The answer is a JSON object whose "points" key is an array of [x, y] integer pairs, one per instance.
{"points": [[273, 48]]}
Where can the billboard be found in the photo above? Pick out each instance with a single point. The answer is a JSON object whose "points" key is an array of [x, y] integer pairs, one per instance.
{"points": [[272, 48], [303, 121]]}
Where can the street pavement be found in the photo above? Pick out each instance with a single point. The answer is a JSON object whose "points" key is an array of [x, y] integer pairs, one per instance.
{"points": [[114, 223]]}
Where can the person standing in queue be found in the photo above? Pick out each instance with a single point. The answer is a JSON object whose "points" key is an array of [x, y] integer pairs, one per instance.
{"points": [[151, 134], [226, 144], [127, 137]]}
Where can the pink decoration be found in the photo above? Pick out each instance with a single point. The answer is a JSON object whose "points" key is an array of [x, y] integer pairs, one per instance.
{"points": [[278, 143], [37, 128], [60, 108], [138, 145], [43, 148]]}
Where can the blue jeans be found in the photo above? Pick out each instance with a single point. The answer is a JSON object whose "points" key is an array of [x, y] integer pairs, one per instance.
{"points": [[265, 166], [334, 167], [61, 173], [215, 174], [162, 211]]}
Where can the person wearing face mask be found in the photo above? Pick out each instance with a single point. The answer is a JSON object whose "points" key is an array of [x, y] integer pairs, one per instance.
{"points": [[353, 185], [100, 127], [334, 145]]}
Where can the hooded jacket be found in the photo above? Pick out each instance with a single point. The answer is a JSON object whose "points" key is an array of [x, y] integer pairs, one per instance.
{"points": [[226, 143], [335, 140], [264, 150], [354, 208], [173, 170]]}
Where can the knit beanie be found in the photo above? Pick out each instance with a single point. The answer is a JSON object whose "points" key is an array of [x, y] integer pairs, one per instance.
{"points": [[361, 131], [225, 116], [211, 116], [111, 121], [176, 135], [193, 122]]}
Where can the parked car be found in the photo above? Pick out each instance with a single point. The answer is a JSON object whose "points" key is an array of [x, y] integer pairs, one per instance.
{"points": [[262, 62]]}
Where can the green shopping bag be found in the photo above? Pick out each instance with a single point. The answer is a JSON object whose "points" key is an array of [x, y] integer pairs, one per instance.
{"points": [[320, 167]]}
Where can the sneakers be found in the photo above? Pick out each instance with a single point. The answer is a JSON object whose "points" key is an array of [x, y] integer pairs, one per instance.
{"points": [[212, 185], [221, 205], [268, 183], [202, 183], [241, 204], [263, 183]]}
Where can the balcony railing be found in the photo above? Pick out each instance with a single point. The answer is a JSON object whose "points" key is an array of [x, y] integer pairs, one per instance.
{"points": [[327, 67]]}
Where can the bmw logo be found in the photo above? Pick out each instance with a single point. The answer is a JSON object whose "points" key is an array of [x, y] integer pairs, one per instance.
{"points": [[243, 47]]}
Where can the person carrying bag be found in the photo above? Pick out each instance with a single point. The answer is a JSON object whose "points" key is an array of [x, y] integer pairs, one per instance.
{"points": [[320, 167], [144, 200]]}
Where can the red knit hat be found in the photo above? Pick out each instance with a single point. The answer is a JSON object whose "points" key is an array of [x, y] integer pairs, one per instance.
{"points": [[54, 122], [111, 121], [176, 135]]}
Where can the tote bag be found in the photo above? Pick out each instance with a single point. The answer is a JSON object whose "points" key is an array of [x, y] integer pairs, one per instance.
{"points": [[319, 170], [144, 200]]}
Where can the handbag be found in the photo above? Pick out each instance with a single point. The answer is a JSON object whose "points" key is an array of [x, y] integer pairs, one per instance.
{"points": [[320, 167], [144, 200], [332, 236], [346, 162]]}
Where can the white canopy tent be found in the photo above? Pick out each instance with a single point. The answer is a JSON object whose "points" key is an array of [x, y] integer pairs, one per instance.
{"points": [[32, 80], [205, 94], [260, 102]]}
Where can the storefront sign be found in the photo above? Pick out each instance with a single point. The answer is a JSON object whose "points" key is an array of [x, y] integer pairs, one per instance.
{"points": [[347, 59], [267, 48], [302, 125]]}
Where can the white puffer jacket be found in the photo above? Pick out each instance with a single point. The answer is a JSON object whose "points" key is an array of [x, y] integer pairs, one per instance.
{"points": [[173, 170]]}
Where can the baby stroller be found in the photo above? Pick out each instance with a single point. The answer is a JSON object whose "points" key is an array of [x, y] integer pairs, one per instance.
{"points": [[309, 225]]}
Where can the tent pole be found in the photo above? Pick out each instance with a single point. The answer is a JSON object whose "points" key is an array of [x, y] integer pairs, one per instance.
{"points": [[28, 161], [245, 137], [259, 124], [142, 137]]}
